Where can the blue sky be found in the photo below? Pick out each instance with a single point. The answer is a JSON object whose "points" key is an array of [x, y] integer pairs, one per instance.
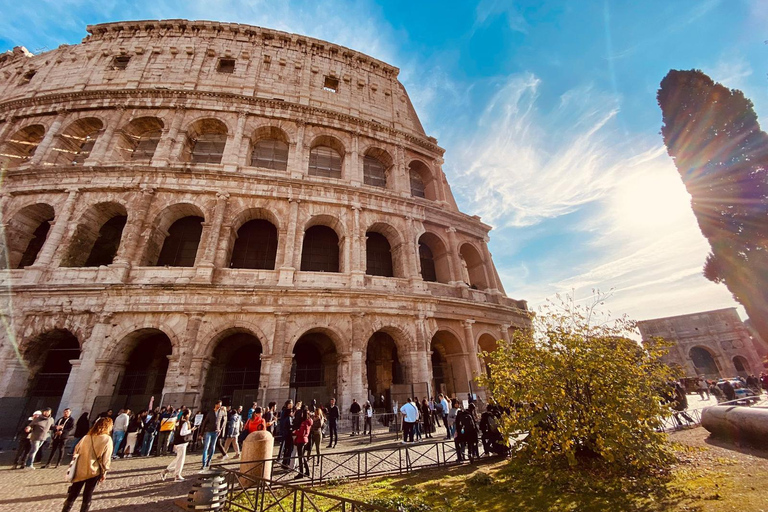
{"points": [[547, 112]]}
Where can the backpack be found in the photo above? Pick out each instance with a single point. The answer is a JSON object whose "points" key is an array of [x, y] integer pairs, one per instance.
{"points": [[439, 407]]}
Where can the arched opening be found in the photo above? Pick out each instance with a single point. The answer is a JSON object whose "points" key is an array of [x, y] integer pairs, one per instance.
{"points": [[21, 147], [235, 371], [255, 246], [378, 255], [139, 139], [376, 163], [741, 365], [422, 183], [433, 258], [144, 371], [383, 367], [180, 246], [704, 363], [48, 357], [326, 157], [473, 271], [314, 368], [97, 237], [270, 149], [449, 371], [74, 145], [486, 343], [205, 143], [320, 250], [25, 235]]}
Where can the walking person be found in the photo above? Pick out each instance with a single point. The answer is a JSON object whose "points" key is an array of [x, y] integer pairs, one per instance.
{"points": [[166, 425], [284, 429], [301, 438], [444, 410], [82, 427], [150, 431], [316, 433], [25, 445], [93, 459], [119, 429], [333, 421], [234, 425], [62, 433], [181, 438], [426, 414], [452, 417], [213, 425], [38, 430], [368, 418], [354, 412], [132, 434]]}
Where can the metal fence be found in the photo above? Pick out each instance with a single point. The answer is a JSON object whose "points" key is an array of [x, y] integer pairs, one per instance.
{"points": [[249, 493]]}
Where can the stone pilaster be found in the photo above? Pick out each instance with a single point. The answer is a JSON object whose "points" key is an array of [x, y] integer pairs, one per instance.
{"points": [[103, 145], [298, 155], [210, 241], [233, 152], [52, 245], [454, 260], [127, 253], [356, 257], [166, 148], [44, 147], [291, 260]]}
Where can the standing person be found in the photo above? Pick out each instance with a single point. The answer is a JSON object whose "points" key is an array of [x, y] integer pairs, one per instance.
{"points": [[445, 408], [119, 429], [38, 430], [730, 393], [426, 413], [150, 431], [132, 434], [368, 418], [354, 411], [410, 417], [213, 425], [165, 427], [269, 417], [234, 424], [703, 387], [62, 433], [301, 438], [434, 413], [333, 421], [181, 438], [452, 416], [250, 411], [284, 428], [316, 433], [94, 451], [25, 445], [82, 427]]}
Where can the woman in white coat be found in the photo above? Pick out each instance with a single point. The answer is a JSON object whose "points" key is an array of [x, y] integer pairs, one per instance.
{"points": [[181, 438]]}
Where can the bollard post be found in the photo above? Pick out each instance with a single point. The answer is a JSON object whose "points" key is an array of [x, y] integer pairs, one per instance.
{"points": [[256, 456]]}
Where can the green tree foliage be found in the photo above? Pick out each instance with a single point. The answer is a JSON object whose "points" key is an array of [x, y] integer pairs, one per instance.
{"points": [[583, 390], [713, 135]]}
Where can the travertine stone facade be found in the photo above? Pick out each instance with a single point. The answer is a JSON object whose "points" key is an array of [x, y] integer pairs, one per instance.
{"points": [[194, 137], [712, 343]]}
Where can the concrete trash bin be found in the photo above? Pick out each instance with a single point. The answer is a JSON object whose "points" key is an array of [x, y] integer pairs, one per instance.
{"points": [[258, 446]]}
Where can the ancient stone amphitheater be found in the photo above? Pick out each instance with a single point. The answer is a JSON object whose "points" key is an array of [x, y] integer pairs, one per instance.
{"points": [[194, 210]]}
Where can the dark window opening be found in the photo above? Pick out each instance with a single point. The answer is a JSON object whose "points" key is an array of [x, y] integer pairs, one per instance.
{"points": [[180, 246], [256, 246], [106, 245], [270, 154], [208, 148], [374, 172], [35, 244], [120, 62], [52, 377], [145, 147], [226, 66], [27, 77], [320, 250], [417, 185], [378, 255], [307, 368], [427, 260], [331, 84], [324, 161], [147, 366]]}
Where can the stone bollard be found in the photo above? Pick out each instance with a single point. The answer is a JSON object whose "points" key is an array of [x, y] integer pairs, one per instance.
{"points": [[257, 446]]}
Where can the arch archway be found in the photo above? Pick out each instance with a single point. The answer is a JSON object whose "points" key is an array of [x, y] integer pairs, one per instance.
{"points": [[143, 369], [21, 146], [25, 235], [314, 368], [255, 245], [269, 148], [48, 358], [139, 139], [486, 343], [433, 259], [206, 140], [474, 267], [97, 237], [320, 250], [449, 371], [383, 367], [704, 363], [235, 370], [741, 364], [74, 145]]}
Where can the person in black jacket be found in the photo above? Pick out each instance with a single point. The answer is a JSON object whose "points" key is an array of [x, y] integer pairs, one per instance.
{"points": [[284, 429], [60, 435], [333, 419]]}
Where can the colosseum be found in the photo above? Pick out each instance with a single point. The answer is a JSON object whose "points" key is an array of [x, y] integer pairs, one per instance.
{"points": [[200, 210]]}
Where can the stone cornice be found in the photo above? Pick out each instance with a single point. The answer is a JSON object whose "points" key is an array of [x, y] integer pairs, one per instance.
{"points": [[141, 95]]}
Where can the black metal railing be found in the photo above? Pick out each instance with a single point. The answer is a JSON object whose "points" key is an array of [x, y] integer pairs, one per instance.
{"points": [[249, 493]]}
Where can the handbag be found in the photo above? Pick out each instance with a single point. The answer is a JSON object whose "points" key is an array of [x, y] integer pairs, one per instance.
{"points": [[72, 469]]}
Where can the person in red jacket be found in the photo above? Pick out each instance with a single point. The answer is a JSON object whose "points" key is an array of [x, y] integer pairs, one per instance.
{"points": [[300, 439]]}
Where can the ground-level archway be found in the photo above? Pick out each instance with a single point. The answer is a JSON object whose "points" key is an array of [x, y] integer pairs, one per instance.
{"points": [[450, 374], [704, 363], [314, 368], [48, 358], [235, 370], [741, 365], [383, 368]]}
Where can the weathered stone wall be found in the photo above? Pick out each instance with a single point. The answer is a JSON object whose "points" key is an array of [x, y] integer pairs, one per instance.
{"points": [[277, 86]]}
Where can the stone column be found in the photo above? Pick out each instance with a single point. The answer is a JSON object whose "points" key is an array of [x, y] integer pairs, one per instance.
{"points": [[354, 171], [504, 330], [50, 136], [454, 259], [53, 242], [164, 153], [401, 180], [355, 257], [127, 252], [472, 349], [103, 145], [343, 381], [440, 182], [291, 253], [297, 154], [180, 377], [233, 150], [210, 241]]}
